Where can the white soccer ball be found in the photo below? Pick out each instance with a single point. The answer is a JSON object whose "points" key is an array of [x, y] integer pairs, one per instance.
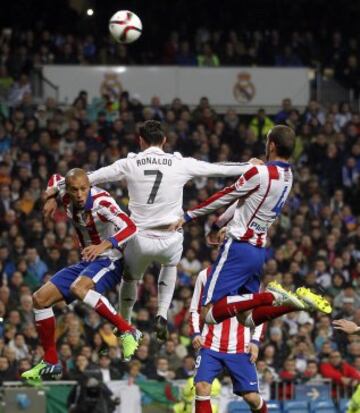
{"points": [[125, 26]]}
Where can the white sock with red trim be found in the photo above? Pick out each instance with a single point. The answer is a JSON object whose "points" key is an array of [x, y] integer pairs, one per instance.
{"points": [[103, 307]]}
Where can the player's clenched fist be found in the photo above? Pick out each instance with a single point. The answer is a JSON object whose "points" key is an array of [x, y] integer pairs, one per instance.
{"points": [[197, 342]]}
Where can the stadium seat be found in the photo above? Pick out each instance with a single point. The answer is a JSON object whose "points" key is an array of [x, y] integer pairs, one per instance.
{"points": [[274, 406], [323, 406], [242, 407], [238, 407], [296, 406], [343, 405]]}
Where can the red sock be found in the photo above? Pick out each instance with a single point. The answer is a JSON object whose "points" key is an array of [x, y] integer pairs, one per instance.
{"points": [[228, 307], [266, 313], [45, 326], [263, 409], [102, 306], [203, 406]]}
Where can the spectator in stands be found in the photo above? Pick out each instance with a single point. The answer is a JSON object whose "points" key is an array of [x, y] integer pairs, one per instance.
{"points": [[339, 371], [261, 124], [162, 372], [208, 58]]}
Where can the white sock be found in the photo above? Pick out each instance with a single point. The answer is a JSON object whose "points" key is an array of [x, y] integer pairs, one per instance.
{"points": [[202, 398], [127, 298], [92, 298], [166, 287], [43, 313]]}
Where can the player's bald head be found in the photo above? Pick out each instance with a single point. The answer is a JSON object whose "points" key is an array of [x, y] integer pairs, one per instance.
{"points": [[76, 174]]}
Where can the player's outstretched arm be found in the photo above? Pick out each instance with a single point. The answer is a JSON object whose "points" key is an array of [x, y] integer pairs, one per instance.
{"points": [[112, 173], [195, 168], [244, 186], [50, 194], [349, 327]]}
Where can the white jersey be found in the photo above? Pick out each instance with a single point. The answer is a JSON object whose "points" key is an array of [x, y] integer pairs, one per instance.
{"points": [[228, 336], [100, 219], [260, 194], [155, 181]]}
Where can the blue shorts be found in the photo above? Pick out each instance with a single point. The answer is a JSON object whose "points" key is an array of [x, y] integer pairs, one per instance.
{"points": [[237, 270], [209, 364], [105, 273]]}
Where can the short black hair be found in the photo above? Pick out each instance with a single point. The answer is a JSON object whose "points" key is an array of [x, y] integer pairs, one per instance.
{"points": [[284, 140], [151, 131]]}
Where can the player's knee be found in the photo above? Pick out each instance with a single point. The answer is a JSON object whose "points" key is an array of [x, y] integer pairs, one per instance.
{"points": [[40, 301], [80, 287], [252, 398], [203, 388]]}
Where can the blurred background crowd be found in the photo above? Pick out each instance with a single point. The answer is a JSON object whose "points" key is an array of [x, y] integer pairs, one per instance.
{"points": [[316, 241]]}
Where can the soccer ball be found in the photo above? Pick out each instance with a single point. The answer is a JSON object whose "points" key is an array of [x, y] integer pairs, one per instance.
{"points": [[125, 26]]}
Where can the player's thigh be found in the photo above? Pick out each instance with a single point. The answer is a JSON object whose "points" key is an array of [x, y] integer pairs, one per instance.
{"points": [[46, 296], [242, 372], [169, 250], [64, 278], [208, 366], [237, 265], [104, 273], [137, 257]]}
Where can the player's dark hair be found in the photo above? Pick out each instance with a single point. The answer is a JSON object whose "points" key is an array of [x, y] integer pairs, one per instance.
{"points": [[284, 139], [152, 132]]}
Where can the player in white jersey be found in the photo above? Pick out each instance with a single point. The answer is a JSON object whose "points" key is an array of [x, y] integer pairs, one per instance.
{"points": [[228, 344], [102, 228], [155, 181], [260, 193]]}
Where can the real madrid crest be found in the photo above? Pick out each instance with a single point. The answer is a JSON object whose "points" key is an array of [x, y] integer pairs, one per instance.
{"points": [[244, 89]]}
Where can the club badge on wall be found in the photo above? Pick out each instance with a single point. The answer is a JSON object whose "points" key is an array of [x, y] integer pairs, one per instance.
{"points": [[244, 89]]}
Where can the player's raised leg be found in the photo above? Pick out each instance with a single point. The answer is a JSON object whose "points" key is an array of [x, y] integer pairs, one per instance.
{"points": [[97, 277], [43, 300]]}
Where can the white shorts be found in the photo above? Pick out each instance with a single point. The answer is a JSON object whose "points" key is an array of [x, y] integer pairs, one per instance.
{"points": [[146, 247]]}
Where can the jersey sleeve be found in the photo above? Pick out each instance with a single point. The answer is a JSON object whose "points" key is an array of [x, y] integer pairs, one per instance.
{"points": [[195, 306], [194, 168], [112, 173], [57, 183], [245, 185], [111, 212]]}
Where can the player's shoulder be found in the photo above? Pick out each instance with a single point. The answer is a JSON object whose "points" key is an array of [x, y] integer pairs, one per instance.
{"points": [[131, 155], [101, 198]]}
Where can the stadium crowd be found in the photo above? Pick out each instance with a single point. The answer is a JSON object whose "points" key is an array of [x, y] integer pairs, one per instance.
{"points": [[316, 241]]}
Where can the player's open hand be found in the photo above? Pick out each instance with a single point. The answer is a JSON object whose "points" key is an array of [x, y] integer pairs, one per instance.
{"points": [[197, 342], [254, 352], [256, 161], [177, 225], [349, 327], [91, 252], [49, 208]]}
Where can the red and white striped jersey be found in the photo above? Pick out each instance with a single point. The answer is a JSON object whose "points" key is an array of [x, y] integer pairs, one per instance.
{"points": [[228, 336], [100, 219], [260, 194]]}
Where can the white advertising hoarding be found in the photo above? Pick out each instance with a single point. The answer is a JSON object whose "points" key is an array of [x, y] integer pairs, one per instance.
{"points": [[252, 87]]}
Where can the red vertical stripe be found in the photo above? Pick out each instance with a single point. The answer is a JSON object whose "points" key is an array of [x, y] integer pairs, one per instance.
{"points": [[240, 348], [78, 232], [91, 227], [209, 337], [225, 332]]}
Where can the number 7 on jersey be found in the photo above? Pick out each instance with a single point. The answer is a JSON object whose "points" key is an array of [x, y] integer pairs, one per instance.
{"points": [[154, 190]]}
